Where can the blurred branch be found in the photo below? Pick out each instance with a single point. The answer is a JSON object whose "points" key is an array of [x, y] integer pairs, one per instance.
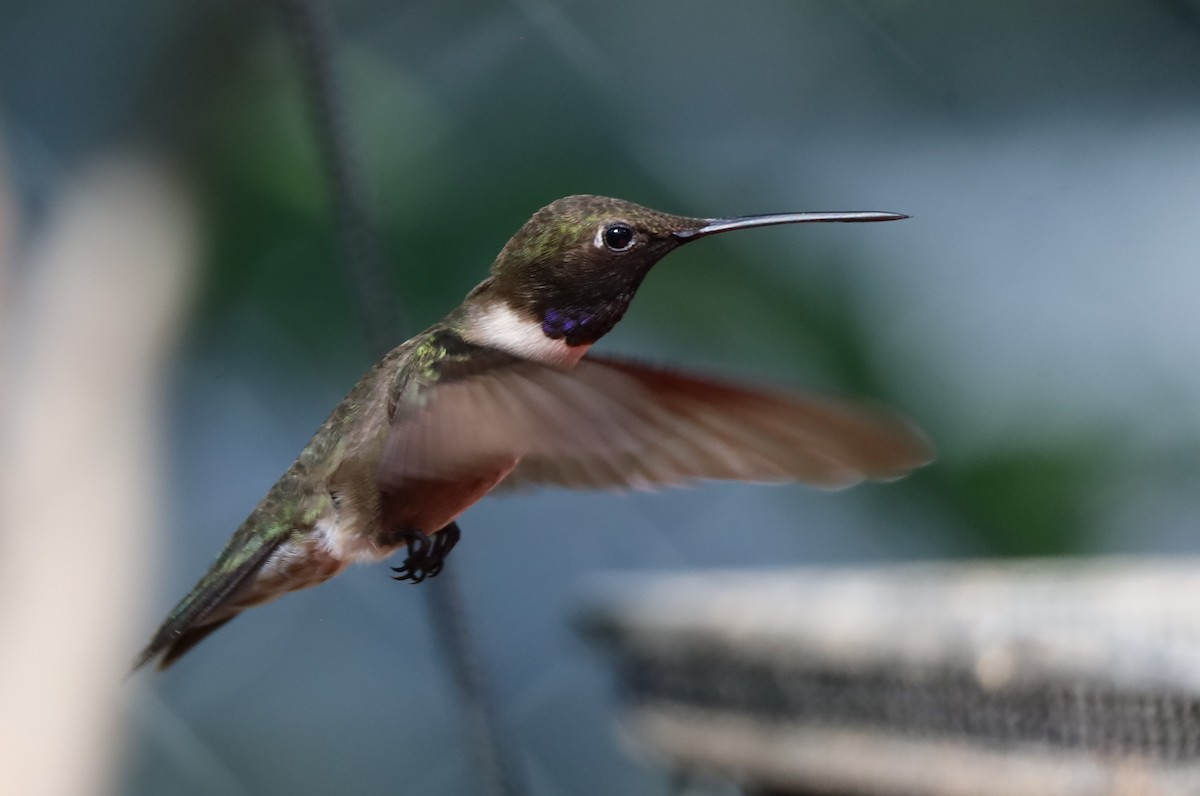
{"points": [[79, 469], [311, 36], [357, 237]]}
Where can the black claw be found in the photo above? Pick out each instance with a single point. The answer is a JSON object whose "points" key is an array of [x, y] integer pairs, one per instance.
{"points": [[426, 556]]}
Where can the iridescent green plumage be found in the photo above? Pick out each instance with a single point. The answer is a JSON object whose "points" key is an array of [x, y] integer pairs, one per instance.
{"points": [[497, 391]]}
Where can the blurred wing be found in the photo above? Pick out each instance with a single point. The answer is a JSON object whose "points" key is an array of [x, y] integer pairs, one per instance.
{"points": [[610, 424], [676, 428]]}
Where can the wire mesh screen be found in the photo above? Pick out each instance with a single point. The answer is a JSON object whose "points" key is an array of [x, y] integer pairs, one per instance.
{"points": [[1032, 678]]}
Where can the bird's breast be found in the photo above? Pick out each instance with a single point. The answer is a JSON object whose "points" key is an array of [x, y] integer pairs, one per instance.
{"points": [[429, 505]]}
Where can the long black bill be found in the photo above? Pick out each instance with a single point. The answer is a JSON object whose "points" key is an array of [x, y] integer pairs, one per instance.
{"points": [[716, 225]]}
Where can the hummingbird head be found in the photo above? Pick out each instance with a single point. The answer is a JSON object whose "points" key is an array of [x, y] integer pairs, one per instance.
{"points": [[576, 264], [570, 272]]}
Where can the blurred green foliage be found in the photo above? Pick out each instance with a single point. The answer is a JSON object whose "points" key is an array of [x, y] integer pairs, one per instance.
{"points": [[272, 251], [1036, 499], [1025, 317]]}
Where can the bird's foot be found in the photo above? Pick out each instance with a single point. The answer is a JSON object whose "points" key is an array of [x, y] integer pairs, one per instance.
{"points": [[426, 555]]}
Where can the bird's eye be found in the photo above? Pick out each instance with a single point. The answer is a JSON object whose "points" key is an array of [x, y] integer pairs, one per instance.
{"points": [[618, 237]]}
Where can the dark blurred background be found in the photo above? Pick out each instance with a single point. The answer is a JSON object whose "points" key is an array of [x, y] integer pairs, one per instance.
{"points": [[1036, 315]]}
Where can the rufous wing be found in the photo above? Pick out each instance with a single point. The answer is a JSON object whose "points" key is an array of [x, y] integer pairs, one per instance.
{"points": [[613, 424]]}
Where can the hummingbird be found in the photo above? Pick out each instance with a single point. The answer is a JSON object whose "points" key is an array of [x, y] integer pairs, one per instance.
{"points": [[503, 393]]}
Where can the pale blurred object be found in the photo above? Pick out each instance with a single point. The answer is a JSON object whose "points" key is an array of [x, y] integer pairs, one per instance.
{"points": [[1057, 677], [7, 249], [90, 330]]}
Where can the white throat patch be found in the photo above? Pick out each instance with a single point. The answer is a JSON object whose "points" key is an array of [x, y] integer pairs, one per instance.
{"points": [[498, 325]]}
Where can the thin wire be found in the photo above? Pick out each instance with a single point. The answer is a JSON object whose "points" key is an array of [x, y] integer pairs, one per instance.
{"points": [[311, 34], [358, 240], [449, 616]]}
